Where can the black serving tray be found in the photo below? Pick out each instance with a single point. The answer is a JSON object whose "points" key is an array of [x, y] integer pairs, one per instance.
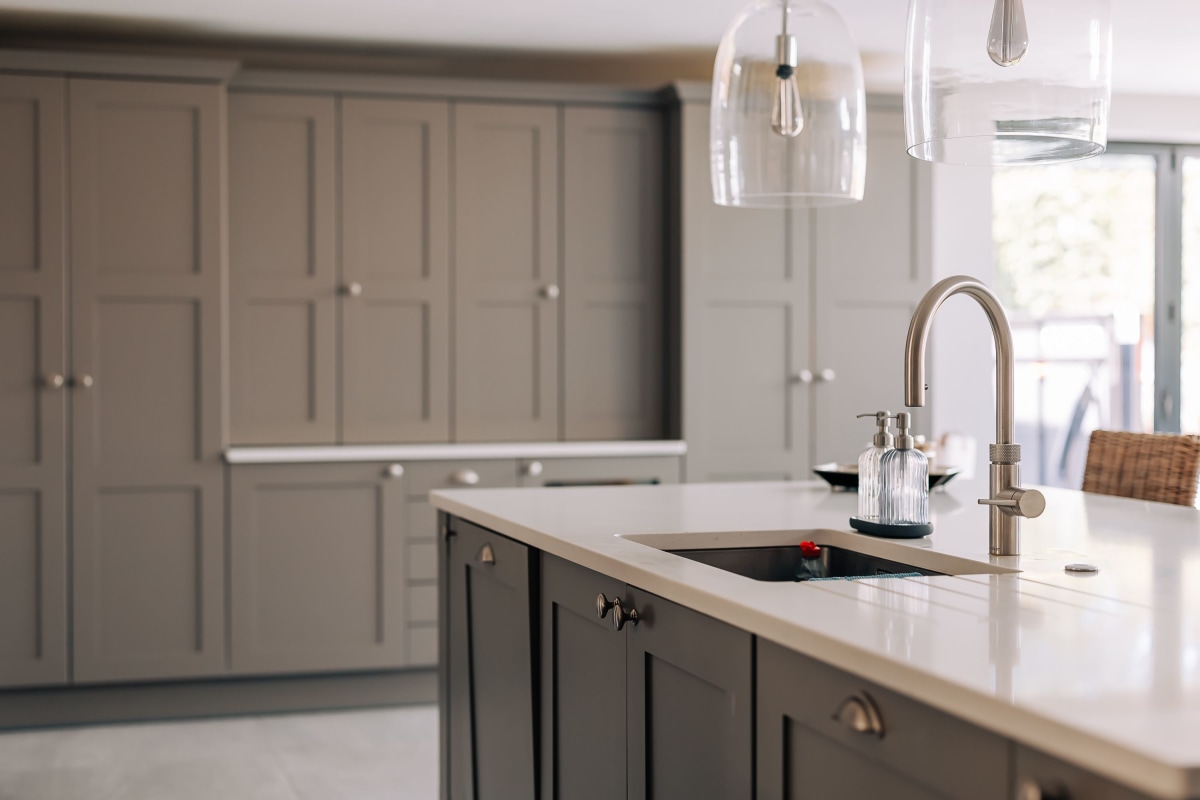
{"points": [[845, 476]]}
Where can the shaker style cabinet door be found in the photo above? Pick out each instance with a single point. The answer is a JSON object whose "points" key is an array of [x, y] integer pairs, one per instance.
{"points": [[489, 674], [690, 703], [147, 165], [583, 685], [808, 747], [282, 284], [317, 558], [33, 567], [872, 267], [747, 377], [395, 271], [613, 223], [506, 272]]}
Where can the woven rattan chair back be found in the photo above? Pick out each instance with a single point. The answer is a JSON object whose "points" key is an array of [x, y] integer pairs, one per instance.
{"points": [[1146, 466]]}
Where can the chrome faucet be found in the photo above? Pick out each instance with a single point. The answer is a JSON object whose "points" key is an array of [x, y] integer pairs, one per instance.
{"points": [[1008, 501]]}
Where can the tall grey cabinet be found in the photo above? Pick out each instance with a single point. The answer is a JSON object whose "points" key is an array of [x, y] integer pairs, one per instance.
{"points": [[508, 283], [33, 558], [339, 345], [793, 321], [147, 276]]}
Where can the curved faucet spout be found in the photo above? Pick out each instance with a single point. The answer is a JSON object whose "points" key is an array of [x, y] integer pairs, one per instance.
{"points": [[918, 340]]}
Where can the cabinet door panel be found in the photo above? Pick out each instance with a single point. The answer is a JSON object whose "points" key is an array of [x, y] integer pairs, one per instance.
{"points": [[746, 290], [647, 470], [282, 278], [33, 614], [690, 698], [583, 686], [147, 277], [506, 255], [317, 553], [395, 246], [491, 677], [873, 266], [613, 274], [1052, 774], [805, 751]]}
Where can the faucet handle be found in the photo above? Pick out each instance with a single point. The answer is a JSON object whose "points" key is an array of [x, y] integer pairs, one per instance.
{"points": [[1019, 502]]}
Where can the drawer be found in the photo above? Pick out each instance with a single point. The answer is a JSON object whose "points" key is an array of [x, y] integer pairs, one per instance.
{"points": [[423, 603], [1041, 775], [422, 560], [425, 476], [921, 745], [422, 646], [422, 520], [599, 471]]}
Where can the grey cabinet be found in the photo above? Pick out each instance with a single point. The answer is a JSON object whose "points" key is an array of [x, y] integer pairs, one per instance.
{"points": [[395, 352], [613, 274], [317, 356], [507, 276], [282, 269], [1040, 775], [807, 748], [33, 559], [794, 321], [489, 673], [660, 709], [583, 723], [690, 703], [644, 470], [318, 562], [147, 271]]}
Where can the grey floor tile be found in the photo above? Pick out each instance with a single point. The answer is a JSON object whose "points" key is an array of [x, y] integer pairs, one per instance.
{"points": [[359, 755]]}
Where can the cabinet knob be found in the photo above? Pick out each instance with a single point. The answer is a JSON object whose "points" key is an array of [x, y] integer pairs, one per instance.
{"points": [[621, 616], [860, 714], [487, 555], [532, 469], [353, 289], [603, 604], [826, 376], [550, 291], [394, 471], [54, 381], [84, 381], [465, 477], [1032, 790], [803, 376]]}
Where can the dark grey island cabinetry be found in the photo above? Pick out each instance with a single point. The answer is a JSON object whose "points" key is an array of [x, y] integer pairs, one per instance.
{"points": [[563, 682]]}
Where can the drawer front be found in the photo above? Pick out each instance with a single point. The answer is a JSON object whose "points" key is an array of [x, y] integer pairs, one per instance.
{"points": [[794, 690], [426, 476], [599, 471], [1054, 778]]}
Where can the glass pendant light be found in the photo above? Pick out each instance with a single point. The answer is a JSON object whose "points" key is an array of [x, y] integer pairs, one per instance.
{"points": [[1007, 81], [788, 124]]}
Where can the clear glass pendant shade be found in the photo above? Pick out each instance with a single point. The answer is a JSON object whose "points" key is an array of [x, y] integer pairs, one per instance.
{"points": [[788, 125], [1007, 81]]}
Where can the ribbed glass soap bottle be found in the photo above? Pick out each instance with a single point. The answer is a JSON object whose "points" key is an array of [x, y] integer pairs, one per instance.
{"points": [[868, 467], [904, 480]]}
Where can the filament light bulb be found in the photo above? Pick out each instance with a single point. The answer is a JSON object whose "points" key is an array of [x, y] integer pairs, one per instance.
{"points": [[787, 115], [1008, 37]]}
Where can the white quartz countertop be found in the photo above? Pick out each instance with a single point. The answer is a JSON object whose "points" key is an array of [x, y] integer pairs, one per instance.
{"points": [[1102, 671]]}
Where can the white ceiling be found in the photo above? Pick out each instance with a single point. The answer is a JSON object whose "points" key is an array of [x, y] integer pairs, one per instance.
{"points": [[1157, 42]]}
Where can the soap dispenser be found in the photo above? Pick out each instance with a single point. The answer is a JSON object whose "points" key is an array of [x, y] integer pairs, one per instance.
{"points": [[868, 467], [904, 480]]}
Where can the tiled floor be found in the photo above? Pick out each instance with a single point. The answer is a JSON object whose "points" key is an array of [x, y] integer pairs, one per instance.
{"points": [[355, 755]]}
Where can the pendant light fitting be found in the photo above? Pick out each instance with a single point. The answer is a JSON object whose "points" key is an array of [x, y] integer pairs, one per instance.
{"points": [[788, 114]]}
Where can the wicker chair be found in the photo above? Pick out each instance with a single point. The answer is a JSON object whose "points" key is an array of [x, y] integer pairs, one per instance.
{"points": [[1146, 466]]}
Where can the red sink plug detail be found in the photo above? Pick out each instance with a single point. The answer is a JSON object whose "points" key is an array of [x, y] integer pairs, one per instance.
{"points": [[810, 550]]}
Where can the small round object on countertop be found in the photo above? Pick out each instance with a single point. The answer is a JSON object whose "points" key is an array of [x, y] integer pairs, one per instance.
{"points": [[1082, 569]]}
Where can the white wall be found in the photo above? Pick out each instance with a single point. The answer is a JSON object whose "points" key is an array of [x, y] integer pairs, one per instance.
{"points": [[1154, 118]]}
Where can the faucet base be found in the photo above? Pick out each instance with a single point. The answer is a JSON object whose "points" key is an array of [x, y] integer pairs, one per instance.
{"points": [[1004, 530]]}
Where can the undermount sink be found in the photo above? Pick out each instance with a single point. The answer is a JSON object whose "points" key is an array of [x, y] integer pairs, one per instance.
{"points": [[785, 563]]}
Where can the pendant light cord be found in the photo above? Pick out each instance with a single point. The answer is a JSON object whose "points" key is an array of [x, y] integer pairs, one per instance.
{"points": [[784, 70]]}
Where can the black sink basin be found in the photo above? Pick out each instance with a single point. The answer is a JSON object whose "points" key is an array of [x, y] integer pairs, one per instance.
{"points": [[784, 563]]}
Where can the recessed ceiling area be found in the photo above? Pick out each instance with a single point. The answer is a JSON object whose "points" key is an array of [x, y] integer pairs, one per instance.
{"points": [[1154, 40]]}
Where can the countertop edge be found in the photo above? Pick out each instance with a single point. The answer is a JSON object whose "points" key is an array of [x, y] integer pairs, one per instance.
{"points": [[326, 454], [1112, 760]]}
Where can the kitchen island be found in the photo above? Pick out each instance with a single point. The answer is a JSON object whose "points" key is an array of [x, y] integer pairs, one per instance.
{"points": [[1099, 672]]}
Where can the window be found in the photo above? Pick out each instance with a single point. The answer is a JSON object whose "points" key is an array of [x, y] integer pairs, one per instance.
{"points": [[1098, 264]]}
